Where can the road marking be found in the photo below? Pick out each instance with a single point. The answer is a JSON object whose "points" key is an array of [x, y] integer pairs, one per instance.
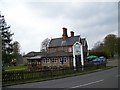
{"points": [[87, 84]]}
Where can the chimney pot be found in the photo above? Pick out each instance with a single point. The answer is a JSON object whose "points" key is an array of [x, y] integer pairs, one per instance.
{"points": [[72, 34], [64, 33]]}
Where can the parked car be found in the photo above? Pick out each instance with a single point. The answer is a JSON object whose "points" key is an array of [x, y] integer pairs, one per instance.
{"points": [[97, 61], [100, 59]]}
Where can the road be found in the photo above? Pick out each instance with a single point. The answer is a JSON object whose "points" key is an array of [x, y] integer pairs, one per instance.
{"points": [[113, 62], [101, 79]]}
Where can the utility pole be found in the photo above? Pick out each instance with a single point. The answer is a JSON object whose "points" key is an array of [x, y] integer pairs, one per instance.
{"points": [[1, 68]]}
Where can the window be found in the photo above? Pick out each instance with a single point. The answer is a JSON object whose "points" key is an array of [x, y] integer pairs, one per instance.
{"points": [[69, 49], [63, 60], [37, 62], [28, 62], [46, 60], [54, 60], [63, 43], [60, 59]]}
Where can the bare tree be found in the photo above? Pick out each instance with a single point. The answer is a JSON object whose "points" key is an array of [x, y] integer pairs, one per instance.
{"points": [[44, 45], [98, 45]]}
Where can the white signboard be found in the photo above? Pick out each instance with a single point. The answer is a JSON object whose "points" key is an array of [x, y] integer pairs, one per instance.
{"points": [[77, 48]]}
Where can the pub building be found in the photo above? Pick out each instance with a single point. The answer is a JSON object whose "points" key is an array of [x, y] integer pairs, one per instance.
{"points": [[59, 52]]}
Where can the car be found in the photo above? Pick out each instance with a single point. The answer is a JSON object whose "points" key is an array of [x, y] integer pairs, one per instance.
{"points": [[96, 60], [102, 58]]}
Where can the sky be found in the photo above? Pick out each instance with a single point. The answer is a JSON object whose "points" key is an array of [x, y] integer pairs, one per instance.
{"points": [[32, 21]]}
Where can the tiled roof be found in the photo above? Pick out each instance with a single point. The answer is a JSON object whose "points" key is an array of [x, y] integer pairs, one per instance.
{"points": [[60, 42], [35, 57], [48, 55], [32, 54]]}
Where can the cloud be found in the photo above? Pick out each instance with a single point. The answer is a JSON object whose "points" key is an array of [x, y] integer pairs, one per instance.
{"points": [[32, 22]]}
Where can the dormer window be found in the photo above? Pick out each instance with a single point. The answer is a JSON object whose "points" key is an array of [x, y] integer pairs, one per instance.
{"points": [[69, 49], [63, 43]]}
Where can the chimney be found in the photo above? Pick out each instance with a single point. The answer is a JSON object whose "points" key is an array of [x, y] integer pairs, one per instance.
{"points": [[64, 33], [72, 34]]}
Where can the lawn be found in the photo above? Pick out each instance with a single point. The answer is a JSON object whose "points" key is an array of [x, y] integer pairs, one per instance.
{"points": [[15, 68]]}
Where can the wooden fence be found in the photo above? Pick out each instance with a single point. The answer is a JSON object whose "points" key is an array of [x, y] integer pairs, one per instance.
{"points": [[16, 76], [27, 75]]}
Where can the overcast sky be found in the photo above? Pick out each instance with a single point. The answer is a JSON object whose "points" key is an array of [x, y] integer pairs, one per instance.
{"points": [[32, 21]]}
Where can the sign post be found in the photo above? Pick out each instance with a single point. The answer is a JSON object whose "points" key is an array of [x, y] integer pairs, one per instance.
{"points": [[82, 58], [74, 62], [77, 50]]}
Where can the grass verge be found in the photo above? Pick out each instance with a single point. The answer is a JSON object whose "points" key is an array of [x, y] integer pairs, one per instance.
{"points": [[15, 68]]}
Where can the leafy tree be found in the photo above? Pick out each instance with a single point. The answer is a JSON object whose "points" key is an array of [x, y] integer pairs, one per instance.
{"points": [[16, 51], [44, 45], [98, 53], [110, 42], [118, 46], [6, 36], [109, 46]]}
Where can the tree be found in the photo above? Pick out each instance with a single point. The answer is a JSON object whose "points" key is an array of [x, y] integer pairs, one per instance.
{"points": [[44, 45], [16, 51], [98, 53], [110, 42], [109, 46], [98, 46], [6, 36], [118, 46]]}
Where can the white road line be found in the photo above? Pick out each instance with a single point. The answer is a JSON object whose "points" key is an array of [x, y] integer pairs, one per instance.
{"points": [[88, 83]]}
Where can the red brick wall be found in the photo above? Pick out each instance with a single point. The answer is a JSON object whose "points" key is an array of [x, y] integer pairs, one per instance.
{"points": [[57, 49]]}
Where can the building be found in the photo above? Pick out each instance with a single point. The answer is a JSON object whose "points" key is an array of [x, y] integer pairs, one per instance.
{"points": [[59, 52], [29, 55]]}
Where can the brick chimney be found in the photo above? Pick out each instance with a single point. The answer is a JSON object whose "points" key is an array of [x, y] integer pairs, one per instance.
{"points": [[64, 33], [72, 34]]}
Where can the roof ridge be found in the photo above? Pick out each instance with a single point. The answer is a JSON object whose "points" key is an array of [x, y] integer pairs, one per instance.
{"points": [[67, 37]]}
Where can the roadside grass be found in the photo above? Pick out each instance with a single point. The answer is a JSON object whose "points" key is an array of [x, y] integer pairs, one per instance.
{"points": [[15, 68]]}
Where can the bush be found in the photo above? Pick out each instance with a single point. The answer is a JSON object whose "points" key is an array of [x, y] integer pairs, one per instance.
{"points": [[99, 53]]}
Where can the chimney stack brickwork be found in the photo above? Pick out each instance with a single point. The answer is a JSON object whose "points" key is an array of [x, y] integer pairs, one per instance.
{"points": [[64, 33], [72, 34]]}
